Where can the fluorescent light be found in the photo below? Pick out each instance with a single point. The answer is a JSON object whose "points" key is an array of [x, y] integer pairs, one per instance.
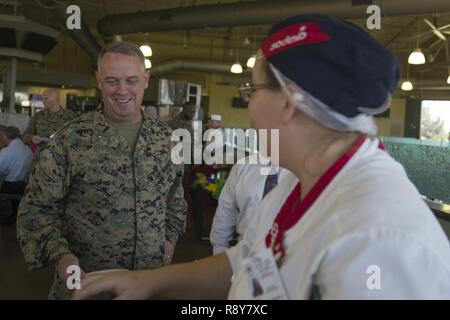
{"points": [[148, 64], [407, 86], [251, 61], [416, 57], [236, 68], [448, 79], [146, 50]]}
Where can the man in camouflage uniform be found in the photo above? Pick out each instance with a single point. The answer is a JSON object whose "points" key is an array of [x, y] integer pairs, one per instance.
{"points": [[46, 122], [184, 119], [109, 179]]}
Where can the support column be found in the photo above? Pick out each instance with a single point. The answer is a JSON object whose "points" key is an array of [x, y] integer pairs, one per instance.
{"points": [[9, 85]]}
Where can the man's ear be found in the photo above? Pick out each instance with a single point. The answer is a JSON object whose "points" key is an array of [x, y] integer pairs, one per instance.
{"points": [[147, 77], [97, 78]]}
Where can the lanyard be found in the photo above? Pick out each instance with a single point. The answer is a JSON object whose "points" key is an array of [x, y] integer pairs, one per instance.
{"points": [[293, 209]]}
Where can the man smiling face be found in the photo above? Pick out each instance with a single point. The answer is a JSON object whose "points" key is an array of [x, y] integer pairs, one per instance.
{"points": [[122, 80]]}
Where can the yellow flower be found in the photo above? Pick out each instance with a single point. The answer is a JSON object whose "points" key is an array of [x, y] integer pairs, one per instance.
{"points": [[211, 187]]}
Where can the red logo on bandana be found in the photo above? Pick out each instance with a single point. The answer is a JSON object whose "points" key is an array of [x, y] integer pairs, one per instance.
{"points": [[294, 35]]}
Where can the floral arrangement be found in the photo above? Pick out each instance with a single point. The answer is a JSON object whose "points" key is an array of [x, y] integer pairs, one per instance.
{"points": [[212, 185]]}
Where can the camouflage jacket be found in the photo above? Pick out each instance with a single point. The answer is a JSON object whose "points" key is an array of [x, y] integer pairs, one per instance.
{"points": [[118, 210], [180, 122], [45, 123]]}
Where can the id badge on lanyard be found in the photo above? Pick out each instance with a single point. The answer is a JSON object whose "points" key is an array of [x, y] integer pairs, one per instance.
{"points": [[263, 277]]}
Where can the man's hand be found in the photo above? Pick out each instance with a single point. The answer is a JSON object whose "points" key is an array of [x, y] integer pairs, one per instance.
{"points": [[168, 252], [63, 263], [36, 139]]}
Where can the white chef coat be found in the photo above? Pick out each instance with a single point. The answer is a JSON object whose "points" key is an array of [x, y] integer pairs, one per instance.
{"points": [[242, 191], [369, 217]]}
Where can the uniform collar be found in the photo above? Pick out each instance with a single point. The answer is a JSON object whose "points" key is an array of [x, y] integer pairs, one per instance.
{"points": [[106, 135]]}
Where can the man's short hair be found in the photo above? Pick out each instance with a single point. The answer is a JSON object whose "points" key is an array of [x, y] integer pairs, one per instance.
{"points": [[189, 104], [123, 47], [11, 132]]}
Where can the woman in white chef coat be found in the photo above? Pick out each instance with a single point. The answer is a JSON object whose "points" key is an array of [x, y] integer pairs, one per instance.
{"points": [[355, 227]]}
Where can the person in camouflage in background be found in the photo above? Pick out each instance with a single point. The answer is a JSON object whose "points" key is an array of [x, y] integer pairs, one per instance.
{"points": [[109, 179], [184, 119], [46, 122]]}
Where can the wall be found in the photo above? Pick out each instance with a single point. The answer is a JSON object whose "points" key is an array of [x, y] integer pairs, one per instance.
{"points": [[394, 125], [63, 93], [220, 102]]}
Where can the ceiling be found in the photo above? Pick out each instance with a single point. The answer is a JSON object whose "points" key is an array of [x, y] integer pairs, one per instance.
{"points": [[399, 33]]}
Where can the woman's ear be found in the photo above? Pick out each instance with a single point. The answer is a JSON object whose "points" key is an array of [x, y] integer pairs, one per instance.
{"points": [[288, 112], [289, 109]]}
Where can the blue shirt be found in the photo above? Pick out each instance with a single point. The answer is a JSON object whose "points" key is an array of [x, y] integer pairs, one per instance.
{"points": [[15, 161]]}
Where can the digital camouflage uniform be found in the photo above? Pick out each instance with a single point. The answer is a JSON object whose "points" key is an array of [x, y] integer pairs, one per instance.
{"points": [[118, 210], [179, 122], [45, 123]]}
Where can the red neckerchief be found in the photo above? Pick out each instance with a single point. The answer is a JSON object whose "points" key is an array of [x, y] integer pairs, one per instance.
{"points": [[293, 209]]}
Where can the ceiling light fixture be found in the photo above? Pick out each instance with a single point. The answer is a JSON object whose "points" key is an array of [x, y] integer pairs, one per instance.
{"points": [[407, 86], [416, 57], [236, 68], [148, 64], [251, 61], [448, 61], [146, 50]]}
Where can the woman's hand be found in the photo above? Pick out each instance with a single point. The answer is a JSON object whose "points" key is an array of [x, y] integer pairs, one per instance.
{"points": [[125, 285]]}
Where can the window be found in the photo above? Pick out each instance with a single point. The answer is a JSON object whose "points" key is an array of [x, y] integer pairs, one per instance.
{"points": [[435, 120]]}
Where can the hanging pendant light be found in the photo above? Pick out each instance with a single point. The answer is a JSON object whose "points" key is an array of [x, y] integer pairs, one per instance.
{"points": [[236, 68], [146, 50], [407, 85], [251, 61], [416, 57], [148, 64]]}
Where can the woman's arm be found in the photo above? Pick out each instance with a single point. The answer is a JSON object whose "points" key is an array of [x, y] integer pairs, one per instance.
{"points": [[209, 278]]}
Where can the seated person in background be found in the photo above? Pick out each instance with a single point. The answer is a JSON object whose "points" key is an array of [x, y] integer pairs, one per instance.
{"points": [[15, 162], [245, 188], [46, 122], [2, 140]]}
